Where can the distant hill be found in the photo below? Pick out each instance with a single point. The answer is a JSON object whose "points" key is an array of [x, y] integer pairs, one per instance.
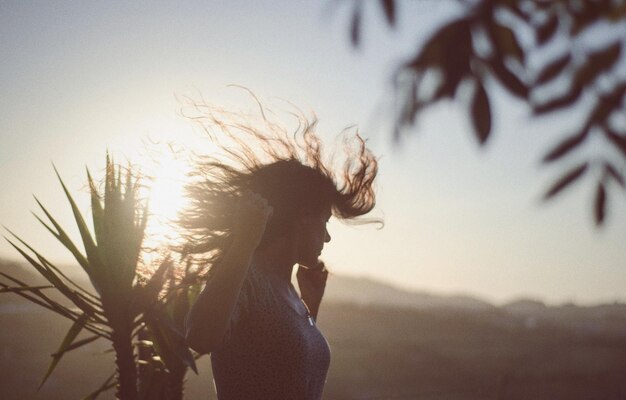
{"points": [[366, 291]]}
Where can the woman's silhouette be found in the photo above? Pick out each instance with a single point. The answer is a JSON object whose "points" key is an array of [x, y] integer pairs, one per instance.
{"points": [[255, 214]]}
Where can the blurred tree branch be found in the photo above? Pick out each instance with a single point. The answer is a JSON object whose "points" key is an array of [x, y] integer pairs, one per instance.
{"points": [[484, 45]]}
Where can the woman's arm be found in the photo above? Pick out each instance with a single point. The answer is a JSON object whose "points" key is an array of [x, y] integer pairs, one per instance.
{"points": [[209, 317]]}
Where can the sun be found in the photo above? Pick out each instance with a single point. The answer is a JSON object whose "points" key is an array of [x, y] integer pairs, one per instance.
{"points": [[163, 158], [165, 178], [166, 190], [163, 166]]}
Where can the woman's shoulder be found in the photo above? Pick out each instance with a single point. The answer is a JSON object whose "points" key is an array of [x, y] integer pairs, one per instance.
{"points": [[256, 287]]}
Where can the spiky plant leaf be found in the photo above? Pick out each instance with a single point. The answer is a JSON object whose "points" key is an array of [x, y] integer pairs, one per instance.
{"points": [[71, 334], [88, 296], [40, 299], [80, 343], [108, 384], [93, 255], [97, 211], [68, 243], [51, 277], [23, 289]]}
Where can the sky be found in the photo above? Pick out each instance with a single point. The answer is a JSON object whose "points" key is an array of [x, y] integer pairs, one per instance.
{"points": [[78, 79]]}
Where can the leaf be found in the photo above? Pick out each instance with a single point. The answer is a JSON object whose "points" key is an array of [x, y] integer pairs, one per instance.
{"points": [[610, 171], [43, 267], [23, 289], [71, 334], [80, 343], [513, 6], [453, 39], [146, 295], [45, 302], [355, 26], [97, 211], [566, 146], [170, 345], [544, 32], [389, 8], [508, 79], [566, 180], [597, 63], [85, 294], [481, 114], [507, 42], [553, 69], [618, 141], [64, 239], [600, 204], [559, 102], [108, 384], [96, 265]]}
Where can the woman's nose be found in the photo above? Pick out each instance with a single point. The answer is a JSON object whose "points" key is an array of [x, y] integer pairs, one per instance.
{"points": [[327, 237]]}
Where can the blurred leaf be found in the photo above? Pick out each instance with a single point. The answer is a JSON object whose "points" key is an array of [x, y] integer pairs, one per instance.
{"points": [[617, 13], [449, 44], [600, 204], [507, 43], [559, 102], [597, 63], [389, 8], [553, 69], [546, 31], [74, 330], [514, 7], [355, 26], [481, 113], [566, 146], [618, 140], [614, 174], [508, 79], [566, 180]]}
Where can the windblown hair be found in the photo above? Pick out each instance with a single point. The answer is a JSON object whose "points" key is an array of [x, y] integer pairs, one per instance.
{"points": [[286, 168]]}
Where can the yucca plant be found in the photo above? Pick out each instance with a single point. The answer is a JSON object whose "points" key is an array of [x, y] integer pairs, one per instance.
{"points": [[164, 329], [124, 306]]}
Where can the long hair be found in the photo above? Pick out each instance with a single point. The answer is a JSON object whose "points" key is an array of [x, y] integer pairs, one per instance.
{"points": [[289, 169]]}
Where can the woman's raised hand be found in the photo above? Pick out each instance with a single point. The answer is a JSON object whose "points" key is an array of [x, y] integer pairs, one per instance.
{"points": [[251, 215]]}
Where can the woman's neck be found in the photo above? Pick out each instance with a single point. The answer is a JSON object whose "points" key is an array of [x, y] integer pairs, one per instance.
{"points": [[277, 259]]}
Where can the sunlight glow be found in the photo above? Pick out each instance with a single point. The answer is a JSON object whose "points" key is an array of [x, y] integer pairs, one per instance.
{"points": [[166, 194], [162, 155]]}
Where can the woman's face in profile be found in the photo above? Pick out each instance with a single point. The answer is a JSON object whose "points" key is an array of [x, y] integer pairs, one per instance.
{"points": [[312, 235]]}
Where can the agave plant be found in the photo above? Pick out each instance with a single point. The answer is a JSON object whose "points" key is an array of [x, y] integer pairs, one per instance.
{"points": [[125, 309]]}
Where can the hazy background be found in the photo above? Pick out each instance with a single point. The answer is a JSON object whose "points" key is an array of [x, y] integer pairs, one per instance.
{"points": [[386, 344], [78, 78]]}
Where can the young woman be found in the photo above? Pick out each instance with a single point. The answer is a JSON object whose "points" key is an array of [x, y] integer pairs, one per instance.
{"points": [[255, 215]]}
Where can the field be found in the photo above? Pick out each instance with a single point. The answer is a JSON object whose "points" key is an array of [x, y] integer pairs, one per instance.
{"points": [[378, 352]]}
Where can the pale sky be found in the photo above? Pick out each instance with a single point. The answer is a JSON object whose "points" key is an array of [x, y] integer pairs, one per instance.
{"points": [[77, 78]]}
